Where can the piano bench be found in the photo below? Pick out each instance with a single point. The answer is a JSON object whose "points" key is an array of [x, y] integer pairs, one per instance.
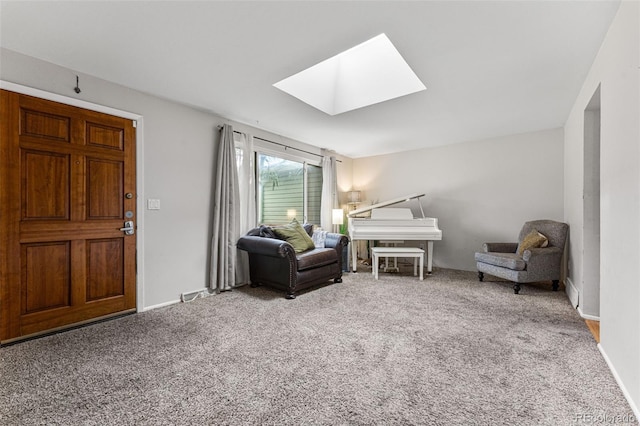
{"points": [[395, 252]]}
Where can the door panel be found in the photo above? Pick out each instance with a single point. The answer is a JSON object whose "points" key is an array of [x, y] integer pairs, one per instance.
{"points": [[105, 268], [43, 125], [46, 277], [45, 185], [105, 136], [105, 198], [64, 175]]}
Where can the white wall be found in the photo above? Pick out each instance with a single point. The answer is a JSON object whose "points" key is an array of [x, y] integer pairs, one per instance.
{"points": [[479, 191], [616, 69], [180, 144]]}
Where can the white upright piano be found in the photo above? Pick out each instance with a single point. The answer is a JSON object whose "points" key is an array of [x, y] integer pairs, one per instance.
{"points": [[392, 224]]}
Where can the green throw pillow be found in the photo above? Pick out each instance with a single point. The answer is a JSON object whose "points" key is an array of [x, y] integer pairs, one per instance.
{"points": [[294, 234], [533, 239]]}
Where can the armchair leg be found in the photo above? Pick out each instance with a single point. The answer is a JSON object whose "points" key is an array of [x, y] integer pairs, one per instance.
{"points": [[337, 280], [480, 276], [516, 288], [555, 285], [254, 285], [290, 296]]}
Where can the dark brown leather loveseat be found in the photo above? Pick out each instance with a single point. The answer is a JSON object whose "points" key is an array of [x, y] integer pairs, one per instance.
{"points": [[274, 262]]}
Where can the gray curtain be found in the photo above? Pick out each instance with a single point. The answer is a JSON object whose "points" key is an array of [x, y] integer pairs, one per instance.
{"points": [[226, 213], [329, 200], [248, 212]]}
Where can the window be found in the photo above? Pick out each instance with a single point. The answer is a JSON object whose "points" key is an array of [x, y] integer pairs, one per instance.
{"points": [[314, 193], [288, 189]]}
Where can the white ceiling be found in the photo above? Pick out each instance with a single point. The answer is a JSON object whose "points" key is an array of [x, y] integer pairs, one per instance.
{"points": [[491, 68]]}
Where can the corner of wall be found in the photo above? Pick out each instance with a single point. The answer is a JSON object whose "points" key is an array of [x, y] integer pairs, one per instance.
{"points": [[572, 292]]}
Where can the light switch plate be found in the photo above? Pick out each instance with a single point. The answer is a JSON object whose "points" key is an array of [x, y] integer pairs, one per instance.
{"points": [[153, 204]]}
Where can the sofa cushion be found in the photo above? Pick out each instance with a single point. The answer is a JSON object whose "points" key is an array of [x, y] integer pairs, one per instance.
{"points": [[533, 239], [294, 234], [267, 232], [308, 227], [255, 232], [319, 237], [316, 258], [511, 261]]}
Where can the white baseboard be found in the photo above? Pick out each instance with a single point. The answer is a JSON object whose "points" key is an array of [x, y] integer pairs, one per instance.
{"points": [[572, 292], [587, 316], [626, 394], [574, 298], [160, 305]]}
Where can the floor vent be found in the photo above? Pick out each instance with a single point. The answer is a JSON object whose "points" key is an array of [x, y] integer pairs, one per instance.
{"points": [[193, 295]]}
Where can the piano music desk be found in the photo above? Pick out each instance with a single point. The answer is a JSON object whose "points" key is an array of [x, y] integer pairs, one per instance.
{"points": [[395, 252]]}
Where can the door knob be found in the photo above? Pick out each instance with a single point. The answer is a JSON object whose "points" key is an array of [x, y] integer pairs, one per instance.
{"points": [[128, 228]]}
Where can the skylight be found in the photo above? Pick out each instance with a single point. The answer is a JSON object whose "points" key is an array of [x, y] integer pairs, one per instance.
{"points": [[367, 74]]}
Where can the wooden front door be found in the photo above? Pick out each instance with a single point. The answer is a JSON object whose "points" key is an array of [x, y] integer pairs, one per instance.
{"points": [[67, 186]]}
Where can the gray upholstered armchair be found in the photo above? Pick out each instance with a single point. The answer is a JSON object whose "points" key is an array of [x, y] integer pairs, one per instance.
{"points": [[537, 256]]}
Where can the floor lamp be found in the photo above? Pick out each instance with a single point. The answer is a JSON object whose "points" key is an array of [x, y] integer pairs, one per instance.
{"points": [[337, 218]]}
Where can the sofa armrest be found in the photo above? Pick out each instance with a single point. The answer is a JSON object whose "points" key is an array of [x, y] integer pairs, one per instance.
{"points": [[546, 257], [334, 240], [266, 246], [500, 247], [337, 242]]}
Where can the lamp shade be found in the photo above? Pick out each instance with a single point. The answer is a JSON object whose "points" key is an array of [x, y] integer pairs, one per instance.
{"points": [[337, 216], [353, 196]]}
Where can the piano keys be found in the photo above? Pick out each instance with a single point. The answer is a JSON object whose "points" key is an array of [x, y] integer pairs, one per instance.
{"points": [[388, 224]]}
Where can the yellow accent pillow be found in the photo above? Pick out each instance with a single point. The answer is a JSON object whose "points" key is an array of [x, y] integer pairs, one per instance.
{"points": [[294, 234], [533, 239]]}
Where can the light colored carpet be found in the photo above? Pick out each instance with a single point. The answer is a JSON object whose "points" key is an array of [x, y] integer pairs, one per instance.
{"points": [[445, 351]]}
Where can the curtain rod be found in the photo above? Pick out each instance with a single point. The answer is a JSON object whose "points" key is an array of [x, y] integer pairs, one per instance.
{"points": [[283, 145]]}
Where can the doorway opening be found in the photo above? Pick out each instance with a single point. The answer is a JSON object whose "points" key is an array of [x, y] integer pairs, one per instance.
{"points": [[590, 297]]}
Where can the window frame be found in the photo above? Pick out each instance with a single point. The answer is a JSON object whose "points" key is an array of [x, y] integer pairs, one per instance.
{"points": [[304, 160]]}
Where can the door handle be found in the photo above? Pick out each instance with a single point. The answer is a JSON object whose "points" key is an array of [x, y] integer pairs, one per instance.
{"points": [[128, 228]]}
